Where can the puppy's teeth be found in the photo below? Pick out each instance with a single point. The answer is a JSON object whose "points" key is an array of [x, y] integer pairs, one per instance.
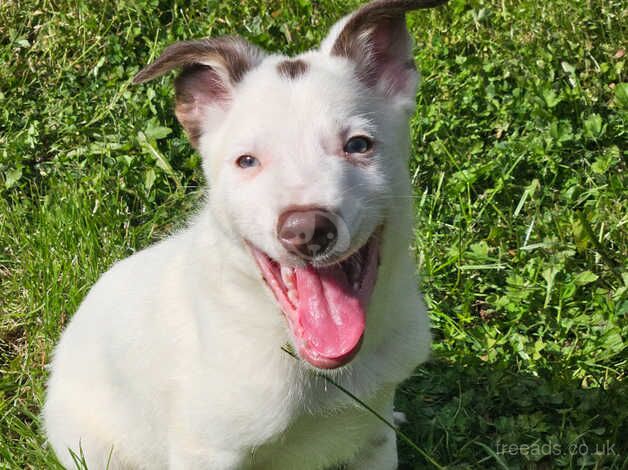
{"points": [[356, 286], [287, 275], [292, 296]]}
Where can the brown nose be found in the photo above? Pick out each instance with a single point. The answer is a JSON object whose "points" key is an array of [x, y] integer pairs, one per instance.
{"points": [[307, 233]]}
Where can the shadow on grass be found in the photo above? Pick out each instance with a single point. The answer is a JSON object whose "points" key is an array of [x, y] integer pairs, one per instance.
{"points": [[471, 414]]}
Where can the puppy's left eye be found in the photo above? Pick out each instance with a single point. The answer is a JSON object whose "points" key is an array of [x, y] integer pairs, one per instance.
{"points": [[358, 144], [247, 161]]}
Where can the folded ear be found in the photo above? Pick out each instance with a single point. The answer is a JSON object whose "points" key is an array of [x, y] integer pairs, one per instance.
{"points": [[211, 68], [375, 37]]}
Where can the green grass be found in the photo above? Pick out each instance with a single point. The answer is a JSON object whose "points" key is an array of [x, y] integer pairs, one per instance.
{"points": [[521, 201]]}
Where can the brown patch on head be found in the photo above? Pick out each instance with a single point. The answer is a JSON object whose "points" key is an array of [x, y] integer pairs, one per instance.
{"points": [[293, 68]]}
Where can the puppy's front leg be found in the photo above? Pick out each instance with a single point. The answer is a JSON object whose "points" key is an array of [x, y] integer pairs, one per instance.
{"points": [[379, 453]]}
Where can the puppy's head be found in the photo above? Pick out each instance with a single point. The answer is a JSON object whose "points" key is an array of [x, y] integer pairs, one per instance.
{"points": [[306, 160]]}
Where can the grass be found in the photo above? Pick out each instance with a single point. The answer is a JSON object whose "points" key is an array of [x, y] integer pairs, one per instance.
{"points": [[520, 177]]}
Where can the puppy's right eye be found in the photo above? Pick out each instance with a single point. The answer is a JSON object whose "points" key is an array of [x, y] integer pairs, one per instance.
{"points": [[358, 144], [247, 161]]}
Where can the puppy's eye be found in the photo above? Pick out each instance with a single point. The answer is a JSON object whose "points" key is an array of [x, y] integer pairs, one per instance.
{"points": [[358, 144], [247, 161]]}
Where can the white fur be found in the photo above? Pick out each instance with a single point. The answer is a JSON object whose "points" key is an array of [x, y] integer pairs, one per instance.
{"points": [[174, 359]]}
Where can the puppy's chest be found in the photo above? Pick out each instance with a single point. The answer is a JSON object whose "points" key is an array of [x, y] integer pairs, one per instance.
{"points": [[281, 406], [317, 439]]}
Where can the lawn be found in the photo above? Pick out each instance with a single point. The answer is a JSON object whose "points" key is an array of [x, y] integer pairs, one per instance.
{"points": [[519, 171]]}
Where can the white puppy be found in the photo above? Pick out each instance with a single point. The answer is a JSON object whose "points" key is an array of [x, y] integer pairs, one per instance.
{"points": [[175, 357]]}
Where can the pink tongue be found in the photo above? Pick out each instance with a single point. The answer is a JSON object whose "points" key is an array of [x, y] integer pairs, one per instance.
{"points": [[330, 315]]}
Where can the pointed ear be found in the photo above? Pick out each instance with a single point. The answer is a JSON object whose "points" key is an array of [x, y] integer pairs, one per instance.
{"points": [[376, 39], [211, 68]]}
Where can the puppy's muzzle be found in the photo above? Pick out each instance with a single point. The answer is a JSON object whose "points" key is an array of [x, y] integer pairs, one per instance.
{"points": [[308, 233]]}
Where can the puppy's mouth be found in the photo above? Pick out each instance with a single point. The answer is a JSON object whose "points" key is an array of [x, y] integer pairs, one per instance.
{"points": [[325, 306]]}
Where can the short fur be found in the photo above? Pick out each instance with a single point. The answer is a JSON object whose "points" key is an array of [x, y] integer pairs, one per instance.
{"points": [[174, 359]]}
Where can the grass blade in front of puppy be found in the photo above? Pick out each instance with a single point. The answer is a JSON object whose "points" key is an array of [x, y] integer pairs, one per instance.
{"points": [[288, 349]]}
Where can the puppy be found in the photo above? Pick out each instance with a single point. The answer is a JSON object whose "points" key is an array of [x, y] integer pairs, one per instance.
{"points": [[176, 358]]}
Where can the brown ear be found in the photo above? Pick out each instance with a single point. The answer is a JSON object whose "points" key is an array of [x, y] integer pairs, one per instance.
{"points": [[375, 37], [210, 70]]}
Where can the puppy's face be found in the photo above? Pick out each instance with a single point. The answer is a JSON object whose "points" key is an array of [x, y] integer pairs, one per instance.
{"points": [[296, 148], [305, 157]]}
